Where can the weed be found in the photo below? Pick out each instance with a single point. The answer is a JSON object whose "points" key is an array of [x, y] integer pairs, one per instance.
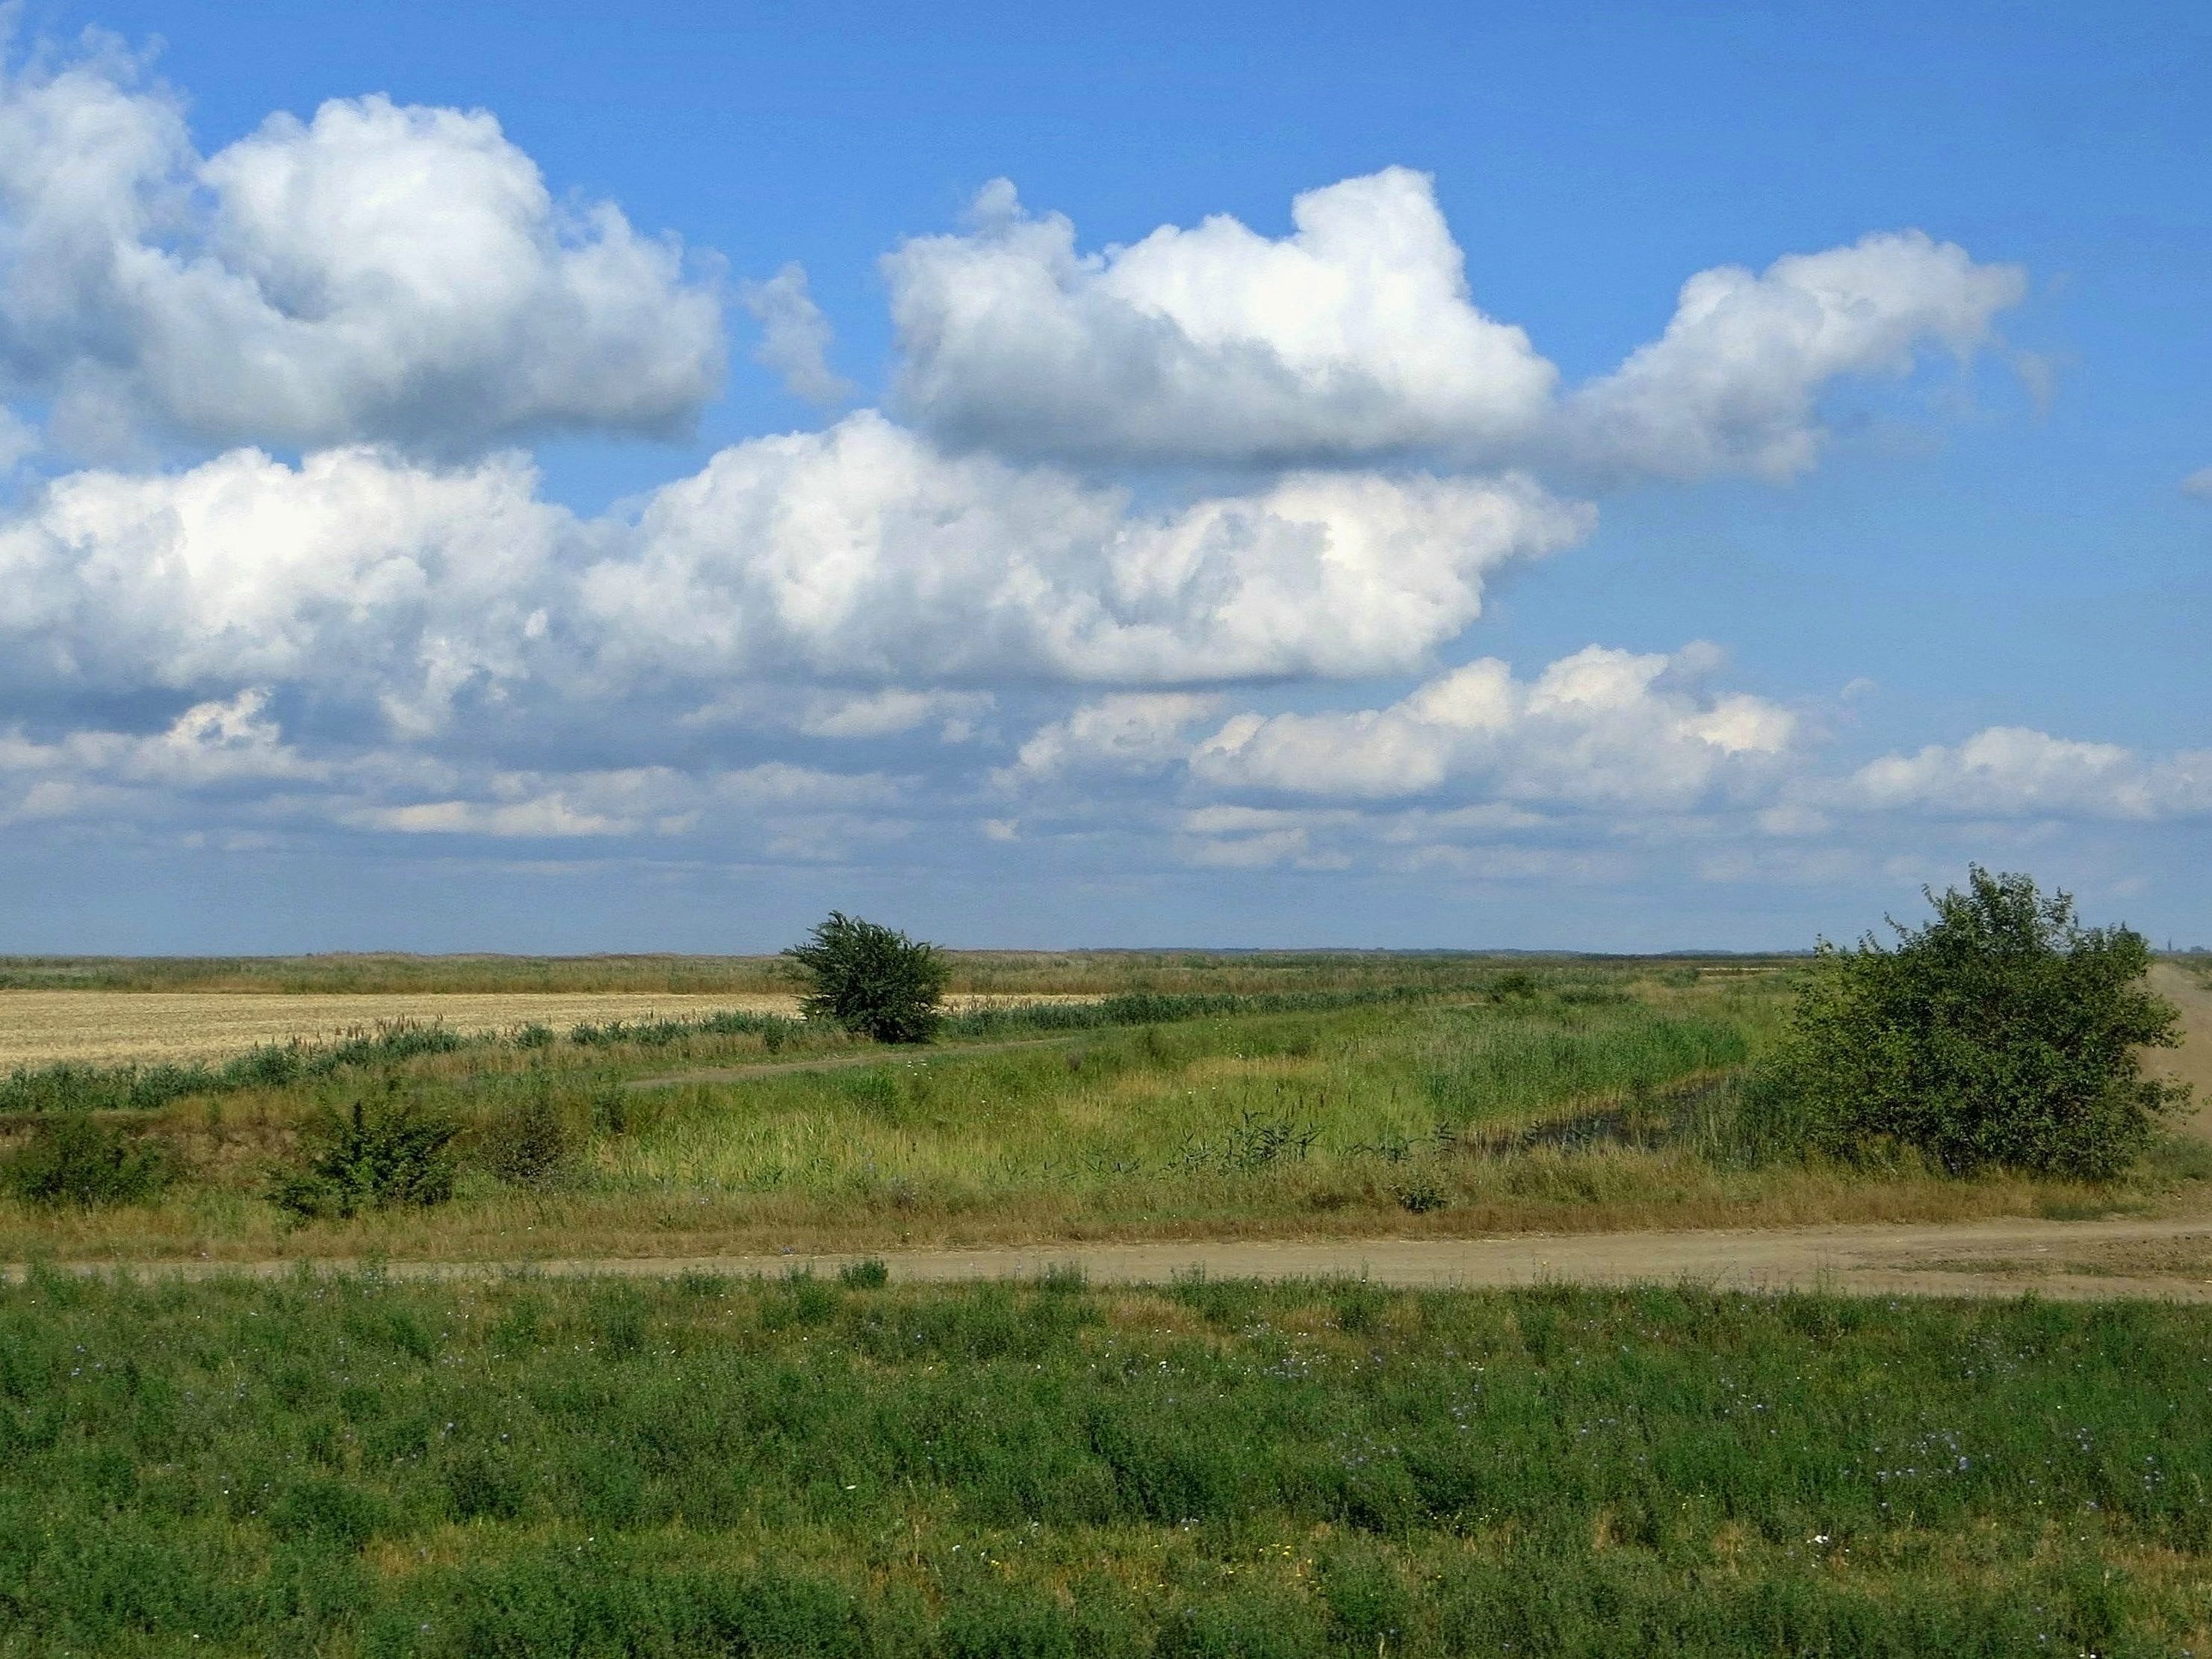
{"points": [[1420, 1195], [872, 1275]]}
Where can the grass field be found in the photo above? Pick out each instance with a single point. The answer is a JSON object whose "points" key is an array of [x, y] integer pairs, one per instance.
{"points": [[355, 1467], [1020, 973], [1562, 1096]]}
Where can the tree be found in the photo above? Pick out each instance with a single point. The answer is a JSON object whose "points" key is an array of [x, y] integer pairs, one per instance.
{"points": [[2001, 1033], [870, 979]]}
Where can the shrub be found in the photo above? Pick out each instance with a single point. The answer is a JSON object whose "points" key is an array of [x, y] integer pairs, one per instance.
{"points": [[2001, 1033], [529, 1145], [869, 979], [377, 1158], [75, 1159]]}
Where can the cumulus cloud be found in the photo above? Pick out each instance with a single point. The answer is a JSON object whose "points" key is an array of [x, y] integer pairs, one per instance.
{"points": [[1355, 336], [865, 552], [2012, 771], [860, 555], [1602, 726], [379, 271], [794, 336], [1732, 383], [1352, 335], [398, 584], [2199, 484]]}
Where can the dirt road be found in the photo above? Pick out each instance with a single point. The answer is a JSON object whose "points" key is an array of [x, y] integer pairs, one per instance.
{"points": [[2169, 1259]]}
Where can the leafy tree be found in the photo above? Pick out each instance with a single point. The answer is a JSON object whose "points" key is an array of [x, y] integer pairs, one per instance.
{"points": [[2001, 1033], [868, 978]]}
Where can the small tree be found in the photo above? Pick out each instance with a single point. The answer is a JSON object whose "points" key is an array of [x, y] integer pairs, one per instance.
{"points": [[870, 979], [2001, 1033]]}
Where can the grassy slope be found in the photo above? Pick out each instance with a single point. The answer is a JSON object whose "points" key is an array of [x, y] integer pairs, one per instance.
{"points": [[561, 1467], [1363, 1118]]}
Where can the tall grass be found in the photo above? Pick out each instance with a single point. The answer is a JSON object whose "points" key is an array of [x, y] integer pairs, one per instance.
{"points": [[1162, 1105], [805, 1466], [67, 1087]]}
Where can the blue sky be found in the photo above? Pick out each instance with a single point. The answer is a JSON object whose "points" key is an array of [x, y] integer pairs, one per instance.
{"points": [[404, 543]]}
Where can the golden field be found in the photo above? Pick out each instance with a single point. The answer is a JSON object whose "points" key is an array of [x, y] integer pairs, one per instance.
{"points": [[40, 1027]]}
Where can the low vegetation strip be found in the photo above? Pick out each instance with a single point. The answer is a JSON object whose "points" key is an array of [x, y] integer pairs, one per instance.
{"points": [[72, 1087], [808, 1466], [106, 1028], [1160, 1007]]}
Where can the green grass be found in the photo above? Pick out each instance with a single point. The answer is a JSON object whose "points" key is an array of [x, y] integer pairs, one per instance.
{"points": [[356, 1466], [1565, 1097], [1170, 1107]]}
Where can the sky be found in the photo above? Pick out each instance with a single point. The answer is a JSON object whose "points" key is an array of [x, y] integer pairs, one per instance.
{"points": [[1599, 477]]}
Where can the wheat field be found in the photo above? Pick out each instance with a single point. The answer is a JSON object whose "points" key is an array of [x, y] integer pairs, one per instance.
{"points": [[38, 1027]]}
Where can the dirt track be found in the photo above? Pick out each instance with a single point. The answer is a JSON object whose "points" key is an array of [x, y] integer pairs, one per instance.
{"points": [[2169, 1259]]}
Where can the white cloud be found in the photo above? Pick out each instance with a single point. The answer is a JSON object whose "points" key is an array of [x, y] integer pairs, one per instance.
{"points": [[1136, 731], [794, 336], [2199, 484], [1732, 383], [2009, 771], [380, 272], [889, 713], [1602, 726], [1355, 336], [858, 555], [210, 745], [863, 552], [398, 585]]}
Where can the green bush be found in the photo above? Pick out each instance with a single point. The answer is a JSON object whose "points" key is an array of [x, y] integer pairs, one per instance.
{"points": [[870, 979], [530, 1143], [2003, 1033], [383, 1158], [75, 1159]]}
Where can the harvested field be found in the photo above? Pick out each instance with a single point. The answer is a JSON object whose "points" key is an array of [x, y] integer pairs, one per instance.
{"points": [[37, 1027], [40, 1027]]}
